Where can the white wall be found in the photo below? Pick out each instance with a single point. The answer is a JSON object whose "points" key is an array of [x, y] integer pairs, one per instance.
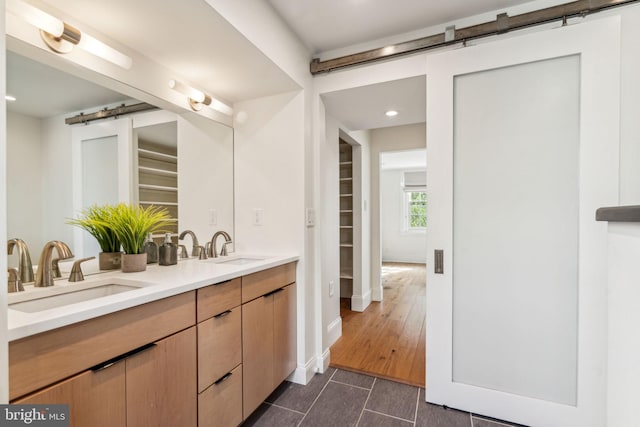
{"points": [[24, 189], [395, 138], [269, 175], [205, 171], [624, 316], [4, 357], [398, 245], [330, 242]]}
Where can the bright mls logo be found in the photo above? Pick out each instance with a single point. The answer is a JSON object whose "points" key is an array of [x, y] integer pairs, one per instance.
{"points": [[34, 415]]}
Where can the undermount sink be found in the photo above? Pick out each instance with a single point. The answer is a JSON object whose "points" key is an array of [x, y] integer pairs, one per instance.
{"points": [[54, 297], [238, 260]]}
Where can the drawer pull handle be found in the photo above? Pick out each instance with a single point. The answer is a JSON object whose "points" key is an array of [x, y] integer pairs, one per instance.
{"points": [[224, 378], [111, 362], [273, 292], [224, 313]]}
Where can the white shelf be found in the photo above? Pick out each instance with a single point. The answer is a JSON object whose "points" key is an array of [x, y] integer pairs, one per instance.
{"points": [[346, 245], [346, 274], [158, 203], [148, 154], [346, 195], [155, 171], [157, 187], [345, 211], [346, 226], [346, 163], [346, 179]]}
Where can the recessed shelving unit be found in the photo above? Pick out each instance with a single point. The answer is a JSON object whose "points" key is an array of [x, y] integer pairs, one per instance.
{"points": [[346, 219], [158, 178]]}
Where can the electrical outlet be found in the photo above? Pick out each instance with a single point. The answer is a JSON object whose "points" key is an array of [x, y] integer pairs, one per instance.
{"points": [[332, 287], [258, 216], [310, 217], [213, 217]]}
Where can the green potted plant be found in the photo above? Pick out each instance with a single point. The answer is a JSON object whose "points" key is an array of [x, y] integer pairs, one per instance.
{"points": [[131, 224], [95, 220]]}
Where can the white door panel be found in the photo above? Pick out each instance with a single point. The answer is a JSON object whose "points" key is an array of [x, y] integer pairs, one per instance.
{"points": [[522, 141]]}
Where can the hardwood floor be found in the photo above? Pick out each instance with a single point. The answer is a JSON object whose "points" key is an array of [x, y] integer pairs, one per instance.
{"points": [[388, 339]]}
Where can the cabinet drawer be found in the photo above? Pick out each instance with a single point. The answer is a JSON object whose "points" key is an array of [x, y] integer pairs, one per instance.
{"points": [[219, 346], [221, 404], [217, 298], [262, 282]]}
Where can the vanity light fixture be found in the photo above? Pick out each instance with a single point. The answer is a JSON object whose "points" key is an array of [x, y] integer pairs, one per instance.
{"points": [[198, 98], [61, 37], [391, 113]]}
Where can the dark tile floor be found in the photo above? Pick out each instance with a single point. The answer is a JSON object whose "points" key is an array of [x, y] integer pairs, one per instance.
{"points": [[342, 398]]}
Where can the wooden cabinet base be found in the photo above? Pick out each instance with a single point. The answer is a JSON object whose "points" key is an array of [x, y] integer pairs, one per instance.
{"points": [[221, 404], [95, 398]]}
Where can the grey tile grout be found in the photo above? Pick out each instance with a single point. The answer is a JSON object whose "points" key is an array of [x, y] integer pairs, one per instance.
{"points": [[387, 415], [366, 401], [317, 397], [351, 385], [283, 407]]}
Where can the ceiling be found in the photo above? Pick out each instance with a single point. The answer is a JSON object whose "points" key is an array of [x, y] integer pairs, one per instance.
{"points": [[192, 39], [42, 91], [330, 24], [364, 107], [408, 159], [188, 37]]}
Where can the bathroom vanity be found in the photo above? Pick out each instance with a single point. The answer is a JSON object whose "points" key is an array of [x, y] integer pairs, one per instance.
{"points": [[199, 344]]}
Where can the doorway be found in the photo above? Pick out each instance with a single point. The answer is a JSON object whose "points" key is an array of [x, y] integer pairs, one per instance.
{"points": [[387, 339]]}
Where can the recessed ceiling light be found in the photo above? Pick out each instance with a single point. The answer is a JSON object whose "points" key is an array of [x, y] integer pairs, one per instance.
{"points": [[9, 98], [391, 113]]}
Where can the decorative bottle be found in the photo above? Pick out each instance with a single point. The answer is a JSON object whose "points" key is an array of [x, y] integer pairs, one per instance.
{"points": [[151, 248], [168, 252]]}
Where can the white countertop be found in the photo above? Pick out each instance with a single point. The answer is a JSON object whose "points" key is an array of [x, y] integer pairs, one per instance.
{"points": [[156, 282]]}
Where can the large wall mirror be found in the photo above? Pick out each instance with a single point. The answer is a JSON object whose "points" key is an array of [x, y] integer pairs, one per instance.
{"points": [[179, 160]]}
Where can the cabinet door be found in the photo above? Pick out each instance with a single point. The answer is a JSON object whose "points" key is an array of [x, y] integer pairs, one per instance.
{"points": [[162, 383], [95, 398], [257, 352], [284, 329]]}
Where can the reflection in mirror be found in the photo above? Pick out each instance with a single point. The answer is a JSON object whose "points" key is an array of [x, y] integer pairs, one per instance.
{"points": [[54, 169]]}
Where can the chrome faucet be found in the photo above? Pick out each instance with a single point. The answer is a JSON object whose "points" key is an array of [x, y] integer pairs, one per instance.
{"points": [[195, 249], [44, 275], [213, 252], [25, 268]]}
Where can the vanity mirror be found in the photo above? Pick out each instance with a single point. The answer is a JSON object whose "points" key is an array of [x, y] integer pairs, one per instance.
{"points": [[176, 159]]}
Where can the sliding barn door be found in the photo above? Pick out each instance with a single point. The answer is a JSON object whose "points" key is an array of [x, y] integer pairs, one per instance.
{"points": [[522, 148]]}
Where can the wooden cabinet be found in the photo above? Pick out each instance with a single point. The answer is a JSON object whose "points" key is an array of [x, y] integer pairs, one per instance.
{"points": [[153, 386], [95, 398], [268, 333], [220, 354], [208, 357], [161, 383]]}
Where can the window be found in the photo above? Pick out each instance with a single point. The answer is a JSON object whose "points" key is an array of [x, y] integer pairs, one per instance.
{"points": [[415, 210]]}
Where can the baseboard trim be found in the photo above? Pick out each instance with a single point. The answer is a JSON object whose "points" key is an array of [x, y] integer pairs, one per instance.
{"points": [[323, 361], [361, 302], [303, 374], [334, 331]]}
